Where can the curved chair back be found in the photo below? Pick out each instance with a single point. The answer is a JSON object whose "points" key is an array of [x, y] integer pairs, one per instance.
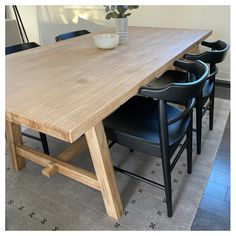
{"points": [[181, 91], [71, 35], [20, 47], [216, 55]]}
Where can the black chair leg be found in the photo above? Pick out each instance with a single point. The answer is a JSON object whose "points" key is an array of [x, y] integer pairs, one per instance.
{"points": [[199, 123], [165, 156], [43, 138], [190, 146], [131, 150], [167, 183], [211, 112]]}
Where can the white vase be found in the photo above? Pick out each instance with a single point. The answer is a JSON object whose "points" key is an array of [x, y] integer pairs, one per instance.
{"points": [[122, 29]]}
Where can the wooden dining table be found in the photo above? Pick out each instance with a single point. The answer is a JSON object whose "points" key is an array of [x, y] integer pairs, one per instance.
{"points": [[66, 89]]}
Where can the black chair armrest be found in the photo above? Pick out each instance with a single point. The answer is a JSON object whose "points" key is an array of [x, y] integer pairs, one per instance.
{"points": [[184, 113], [213, 72], [216, 46], [20, 47], [194, 57], [173, 92], [57, 39], [212, 45]]}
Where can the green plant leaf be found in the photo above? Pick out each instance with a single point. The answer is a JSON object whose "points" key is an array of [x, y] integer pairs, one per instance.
{"points": [[118, 11], [131, 7], [107, 8], [121, 9], [114, 14], [108, 16], [127, 14]]}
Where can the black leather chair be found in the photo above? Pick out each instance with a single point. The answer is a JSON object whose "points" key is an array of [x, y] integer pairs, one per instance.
{"points": [[17, 48], [151, 125], [71, 35], [205, 101], [20, 47]]}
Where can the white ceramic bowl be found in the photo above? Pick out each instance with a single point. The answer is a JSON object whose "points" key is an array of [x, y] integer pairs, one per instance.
{"points": [[106, 41]]}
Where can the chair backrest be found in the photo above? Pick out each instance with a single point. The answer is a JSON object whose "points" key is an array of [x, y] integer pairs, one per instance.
{"points": [[20, 47], [216, 55], [174, 92], [71, 35]]}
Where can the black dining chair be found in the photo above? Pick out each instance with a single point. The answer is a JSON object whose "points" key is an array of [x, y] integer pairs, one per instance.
{"points": [[17, 48], [151, 125], [205, 101], [20, 47], [71, 35]]}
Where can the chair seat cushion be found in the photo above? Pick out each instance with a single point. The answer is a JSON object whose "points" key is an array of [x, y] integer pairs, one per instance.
{"points": [[135, 125]]}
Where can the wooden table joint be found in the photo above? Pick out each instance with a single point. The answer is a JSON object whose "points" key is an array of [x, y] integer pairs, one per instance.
{"points": [[62, 167]]}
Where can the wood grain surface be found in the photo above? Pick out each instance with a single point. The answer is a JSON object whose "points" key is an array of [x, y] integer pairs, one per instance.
{"points": [[66, 88]]}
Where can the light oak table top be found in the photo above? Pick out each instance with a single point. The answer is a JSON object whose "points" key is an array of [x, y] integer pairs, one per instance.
{"points": [[66, 88]]}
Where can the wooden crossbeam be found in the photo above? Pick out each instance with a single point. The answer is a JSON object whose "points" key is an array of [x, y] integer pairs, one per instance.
{"points": [[50, 170], [75, 148], [64, 168]]}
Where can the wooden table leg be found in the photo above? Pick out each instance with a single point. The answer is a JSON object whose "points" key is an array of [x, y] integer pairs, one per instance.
{"points": [[100, 154], [14, 139]]}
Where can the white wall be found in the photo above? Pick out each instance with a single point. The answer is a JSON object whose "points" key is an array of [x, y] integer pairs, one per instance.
{"points": [[43, 23], [216, 18], [12, 35], [30, 20], [54, 20]]}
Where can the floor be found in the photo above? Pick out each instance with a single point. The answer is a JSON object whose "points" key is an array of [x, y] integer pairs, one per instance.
{"points": [[214, 209]]}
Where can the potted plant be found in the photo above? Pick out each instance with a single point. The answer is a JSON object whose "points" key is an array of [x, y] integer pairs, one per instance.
{"points": [[120, 13]]}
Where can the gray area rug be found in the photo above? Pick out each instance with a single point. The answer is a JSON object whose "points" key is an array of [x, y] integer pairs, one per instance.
{"points": [[34, 202]]}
